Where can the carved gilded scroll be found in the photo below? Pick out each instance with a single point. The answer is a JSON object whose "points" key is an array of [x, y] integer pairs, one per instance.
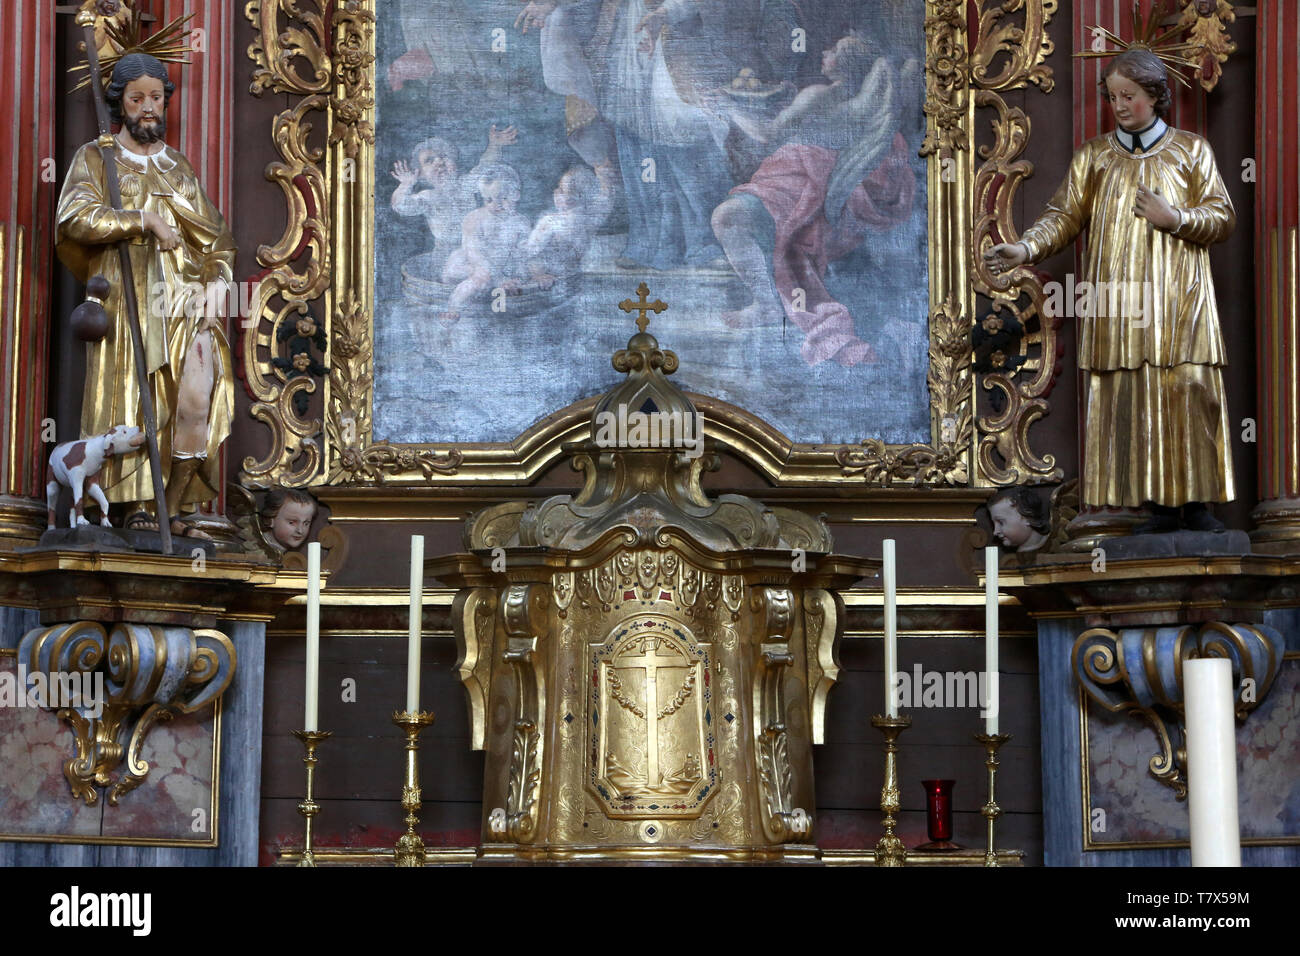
{"points": [[774, 614], [1019, 367], [523, 609]]}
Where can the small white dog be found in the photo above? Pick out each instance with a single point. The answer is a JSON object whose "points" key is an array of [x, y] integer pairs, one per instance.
{"points": [[76, 465]]}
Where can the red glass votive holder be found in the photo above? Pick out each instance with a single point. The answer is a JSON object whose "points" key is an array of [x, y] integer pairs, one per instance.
{"points": [[938, 815], [938, 809]]}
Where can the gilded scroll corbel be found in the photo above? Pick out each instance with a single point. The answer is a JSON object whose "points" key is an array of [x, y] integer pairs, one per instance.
{"points": [[774, 611], [112, 688], [822, 619], [1140, 671], [524, 610], [473, 615]]}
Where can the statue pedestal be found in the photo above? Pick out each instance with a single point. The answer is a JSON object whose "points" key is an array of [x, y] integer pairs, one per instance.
{"points": [[1114, 629], [162, 655]]}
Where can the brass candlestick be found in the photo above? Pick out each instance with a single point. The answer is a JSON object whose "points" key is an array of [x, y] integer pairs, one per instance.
{"points": [[311, 739], [410, 848], [991, 811], [890, 850]]}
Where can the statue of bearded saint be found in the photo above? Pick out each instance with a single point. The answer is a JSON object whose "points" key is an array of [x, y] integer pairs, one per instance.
{"points": [[182, 258]]}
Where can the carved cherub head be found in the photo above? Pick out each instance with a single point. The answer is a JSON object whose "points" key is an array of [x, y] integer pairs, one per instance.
{"points": [[287, 515], [1020, 521]]}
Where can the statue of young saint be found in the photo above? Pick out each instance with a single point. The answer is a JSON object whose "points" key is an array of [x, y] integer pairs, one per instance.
{"points": [[1156, 431], [182, 257]]}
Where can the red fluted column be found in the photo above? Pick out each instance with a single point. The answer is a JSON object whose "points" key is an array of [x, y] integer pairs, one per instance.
{"points": [[1092, 113], [29, 183], [200, 122], [1277, 270], [202, 127]]}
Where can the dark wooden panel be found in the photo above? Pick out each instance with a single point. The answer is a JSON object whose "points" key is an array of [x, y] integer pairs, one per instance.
{"points": [[858, 696], [371, 768], [860, 829], [364, 759], [850, 775], [367, 823]]}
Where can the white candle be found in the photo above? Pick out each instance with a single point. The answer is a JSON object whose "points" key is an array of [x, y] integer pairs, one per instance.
{"points": [[991, 640], [890, 573], [1211, 762], [416, 625], [313, 634]]}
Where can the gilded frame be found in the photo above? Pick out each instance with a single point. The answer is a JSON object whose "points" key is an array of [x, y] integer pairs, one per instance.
{"points": [[324, 58]]}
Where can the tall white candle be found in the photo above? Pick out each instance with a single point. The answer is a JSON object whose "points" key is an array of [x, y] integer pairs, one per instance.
{"points": [[890, 573], [991, 640], [313, 635], [415, 628], [1211, 762]]}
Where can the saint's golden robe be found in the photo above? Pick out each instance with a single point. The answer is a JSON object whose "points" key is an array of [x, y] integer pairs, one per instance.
{"points": [[163, 183], [1157, 417]]}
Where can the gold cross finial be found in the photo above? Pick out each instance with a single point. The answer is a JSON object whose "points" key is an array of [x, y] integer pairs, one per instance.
{"points": [[642, 306]]}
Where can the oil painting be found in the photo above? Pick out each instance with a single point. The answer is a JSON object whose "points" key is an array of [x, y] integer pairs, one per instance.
{"points": [[755, 162]]}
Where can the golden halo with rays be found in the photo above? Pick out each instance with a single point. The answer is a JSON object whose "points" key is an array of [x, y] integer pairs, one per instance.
{"points": [[167, 44], [1147, 36]]}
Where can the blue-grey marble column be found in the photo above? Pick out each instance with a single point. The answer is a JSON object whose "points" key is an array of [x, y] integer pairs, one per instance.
{"points": [[14, 623]]}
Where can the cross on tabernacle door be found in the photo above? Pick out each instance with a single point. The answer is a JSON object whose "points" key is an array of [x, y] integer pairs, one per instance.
{"points": [[651, 662]]}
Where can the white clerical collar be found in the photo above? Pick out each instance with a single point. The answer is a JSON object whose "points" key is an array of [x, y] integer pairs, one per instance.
{"points": [[1144, 139], [161, 158]]}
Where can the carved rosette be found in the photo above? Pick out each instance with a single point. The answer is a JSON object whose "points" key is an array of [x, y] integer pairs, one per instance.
{"points": [[947, 77]]}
